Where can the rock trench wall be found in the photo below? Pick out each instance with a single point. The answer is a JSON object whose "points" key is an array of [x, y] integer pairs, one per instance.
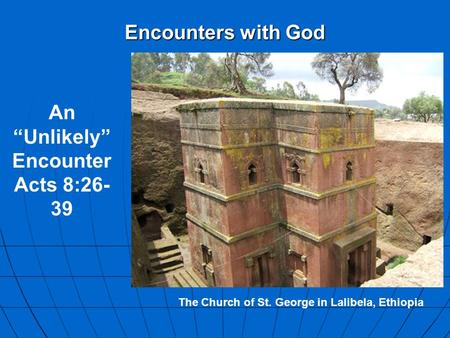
{"points": [[409, 175], [157, 166]]}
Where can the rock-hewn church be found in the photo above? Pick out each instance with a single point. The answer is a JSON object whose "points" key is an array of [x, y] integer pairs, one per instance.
{"points": [[279, 193]]}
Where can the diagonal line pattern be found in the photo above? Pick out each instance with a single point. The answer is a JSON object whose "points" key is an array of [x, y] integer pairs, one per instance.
{"points": [[302, 315], [172, 326], [381, 317], [195, 315], [124, 204], [27, 217], [276, 316], [20, 288], [326, 316], [347, 325], [245, 316], [9, 322], [69, 266], [407, 316], [94, 236], [435, 320], [108, 292]]}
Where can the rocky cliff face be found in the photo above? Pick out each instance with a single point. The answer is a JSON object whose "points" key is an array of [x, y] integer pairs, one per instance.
{"points": [[140, 263], [157, 167], [424, 268], [410, 178]]}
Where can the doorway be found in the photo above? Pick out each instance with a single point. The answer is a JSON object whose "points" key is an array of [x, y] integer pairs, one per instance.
{"points": [[150, 225], [260, 271], [358, 265]]}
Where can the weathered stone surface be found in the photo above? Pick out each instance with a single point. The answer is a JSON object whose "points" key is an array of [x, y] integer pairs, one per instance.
{"points": [[424, 268], [410, 176], [140, 263], [157, 169], [242, 193], [398, 232], [293, 105]]}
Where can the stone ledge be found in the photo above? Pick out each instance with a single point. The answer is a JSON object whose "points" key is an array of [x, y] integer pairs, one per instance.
{"points": [[229, 239], [290, 105], [321, 238], [280, 144], [289, 188]]}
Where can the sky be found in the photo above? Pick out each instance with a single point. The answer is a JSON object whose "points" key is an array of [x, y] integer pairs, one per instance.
{"points": [[405, 76]]}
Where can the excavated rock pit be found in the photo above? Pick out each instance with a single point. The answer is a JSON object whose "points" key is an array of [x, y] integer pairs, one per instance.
{"points": [[409, 172]]}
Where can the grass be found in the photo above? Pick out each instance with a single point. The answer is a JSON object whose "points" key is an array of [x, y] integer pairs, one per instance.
{"points": [[183, 91], [172, 84], [175, 83], [396, 261], [172, 78]]}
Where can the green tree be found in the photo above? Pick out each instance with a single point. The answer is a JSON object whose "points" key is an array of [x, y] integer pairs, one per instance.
{"points": [[240, 66], [256, 84], [144, 68], [349, 70], [205, 72], [162, 61], [304, 94], [424, 107], [390, 113], [181, 62], [286, 90]]}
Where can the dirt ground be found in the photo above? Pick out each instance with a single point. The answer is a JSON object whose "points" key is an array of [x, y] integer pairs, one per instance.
{"points": [[153, 105], [408, 131]]}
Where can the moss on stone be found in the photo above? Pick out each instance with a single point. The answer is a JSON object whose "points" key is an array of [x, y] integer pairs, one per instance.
{"points": [[326, 160], [331, 137]]}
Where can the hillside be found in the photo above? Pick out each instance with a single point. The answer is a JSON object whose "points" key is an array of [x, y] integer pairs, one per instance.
{"points": [[374, 104]]}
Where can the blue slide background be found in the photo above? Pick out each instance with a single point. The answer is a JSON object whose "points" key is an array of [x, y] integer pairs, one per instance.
{"points": [[71, 276]]}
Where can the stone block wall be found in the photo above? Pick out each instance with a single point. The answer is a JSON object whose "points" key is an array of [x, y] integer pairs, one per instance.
{"points": [[273, 187]]}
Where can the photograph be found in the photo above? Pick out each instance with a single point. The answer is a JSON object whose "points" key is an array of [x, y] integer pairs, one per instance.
{"points": [[254, 169], [182, 169]]}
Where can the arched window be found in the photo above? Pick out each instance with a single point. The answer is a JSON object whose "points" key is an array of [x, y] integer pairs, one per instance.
{"points": [[252, 179], [201, 173], [349, 171], [295, 173]]}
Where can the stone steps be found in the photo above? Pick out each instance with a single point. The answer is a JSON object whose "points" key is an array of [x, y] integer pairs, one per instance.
{"points": [[187, 278], [167, 262], [158, 256], [168, 269], [164, 255], [161, 245]]}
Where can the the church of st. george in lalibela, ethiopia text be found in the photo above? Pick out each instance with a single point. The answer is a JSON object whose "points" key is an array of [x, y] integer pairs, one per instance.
{"points": [[279, 193]]}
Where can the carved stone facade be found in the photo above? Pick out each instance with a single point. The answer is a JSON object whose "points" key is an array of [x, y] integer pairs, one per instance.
{"points": [[279, 193]]}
